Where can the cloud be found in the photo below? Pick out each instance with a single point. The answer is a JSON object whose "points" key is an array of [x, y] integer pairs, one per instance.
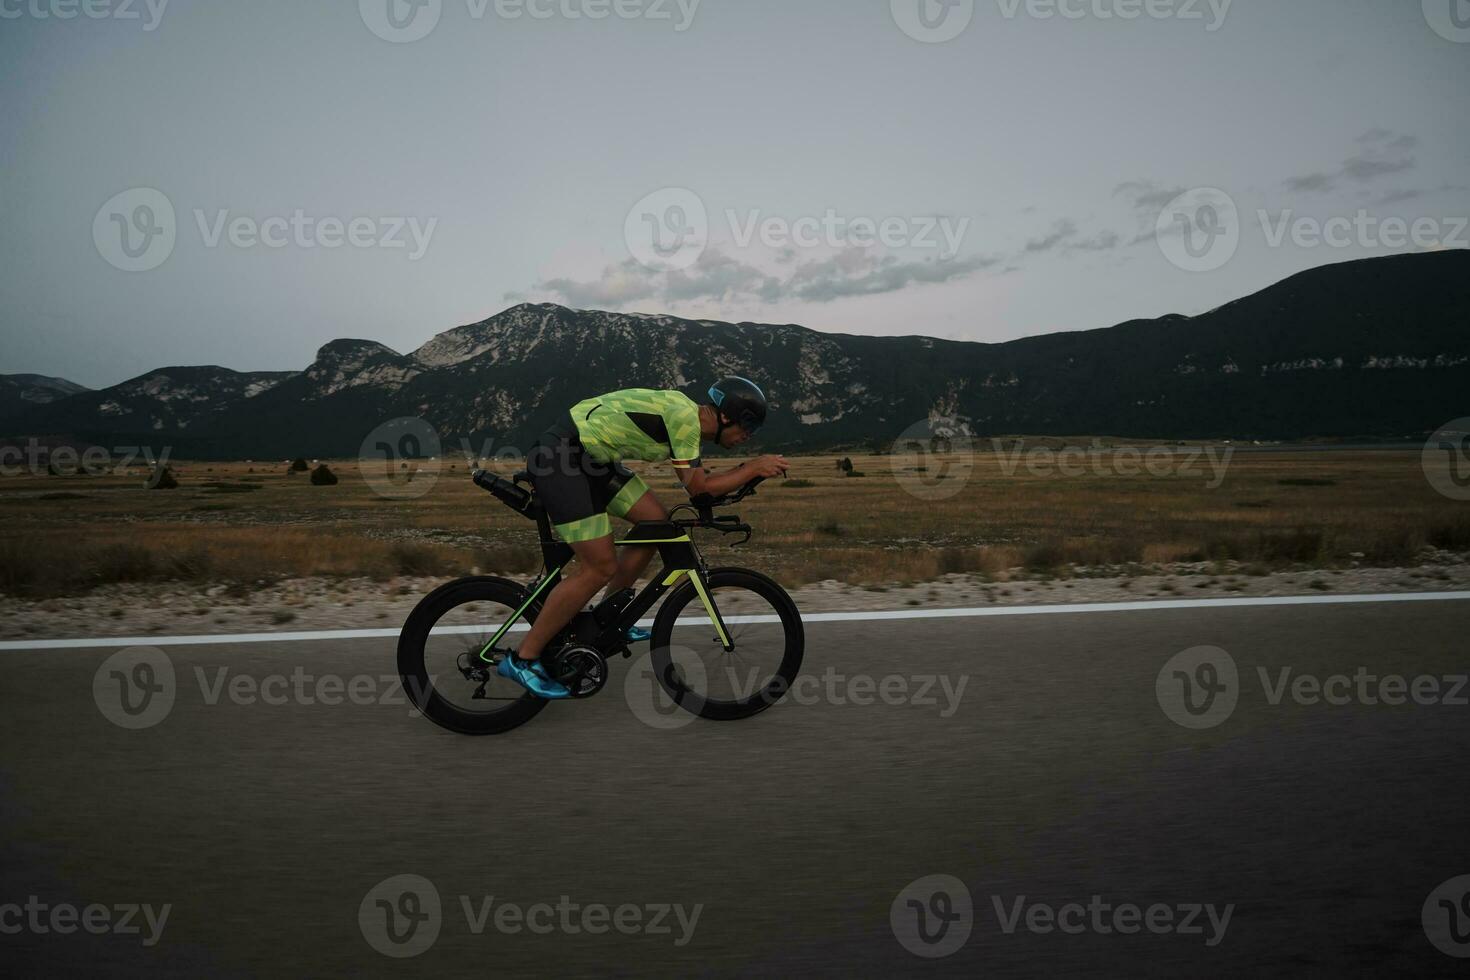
{"points": [[1367, 168], [1309, 183], [853, 271], [1148, 200], [1388, 138], [1145, 195], [1101, 242], [1060, 232], [1385, 153], [1400, 196], [845, 275], [717, 276], [619, 284], [1063, 238], [714, 276]]}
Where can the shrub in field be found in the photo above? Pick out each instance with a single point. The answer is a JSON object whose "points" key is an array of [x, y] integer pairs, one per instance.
{"points": [[194, 564], [21, 568], [298, 466], [959, 560], [323, 477], [1298, 545], [416, 558], [1451, 535], [509, 558], [1045, 556], [845, 464], [1392, 545], [122, 563], [162, 478]]}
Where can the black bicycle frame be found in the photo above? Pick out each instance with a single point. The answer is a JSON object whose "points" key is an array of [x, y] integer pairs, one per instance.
{"points": [[676, 550]]}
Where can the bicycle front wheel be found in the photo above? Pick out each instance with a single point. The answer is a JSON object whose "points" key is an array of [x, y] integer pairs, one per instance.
{"points": [[768, 641]]}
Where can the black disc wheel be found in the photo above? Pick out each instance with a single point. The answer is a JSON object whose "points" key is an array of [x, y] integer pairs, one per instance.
{"points": [[448, 666]]}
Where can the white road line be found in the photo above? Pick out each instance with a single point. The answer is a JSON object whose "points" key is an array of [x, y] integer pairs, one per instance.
{"points": [[808, 618]]}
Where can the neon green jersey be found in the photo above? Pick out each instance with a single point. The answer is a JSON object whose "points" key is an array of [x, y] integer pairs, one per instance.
{"points": [[640, 423]]}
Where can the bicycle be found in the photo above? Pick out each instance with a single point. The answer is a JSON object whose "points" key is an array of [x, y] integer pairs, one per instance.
{"points": [[454, 638]]}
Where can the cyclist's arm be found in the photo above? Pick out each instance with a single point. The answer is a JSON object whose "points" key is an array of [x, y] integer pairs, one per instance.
{"points": [[684, 442], [682, 420], [698, 480]]}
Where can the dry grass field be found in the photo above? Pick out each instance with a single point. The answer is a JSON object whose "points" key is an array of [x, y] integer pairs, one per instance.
{"points": [[251, 524]]}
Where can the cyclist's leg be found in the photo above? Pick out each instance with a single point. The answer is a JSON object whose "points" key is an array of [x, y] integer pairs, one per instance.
{"points": [[634, 502], [570, 487], [596, 564]]}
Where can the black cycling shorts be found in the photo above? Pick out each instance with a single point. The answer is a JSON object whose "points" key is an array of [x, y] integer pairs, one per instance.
{"points": [[578, 491]]}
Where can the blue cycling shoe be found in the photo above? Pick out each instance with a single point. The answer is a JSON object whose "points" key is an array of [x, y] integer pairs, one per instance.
{"points": [[637, 634], [532, 676]]}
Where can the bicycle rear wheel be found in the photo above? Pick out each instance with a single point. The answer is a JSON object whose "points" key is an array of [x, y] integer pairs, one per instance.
{"points": [[692, 664], [439, 657]]}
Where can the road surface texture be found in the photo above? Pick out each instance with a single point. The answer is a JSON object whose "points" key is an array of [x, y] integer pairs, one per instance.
{"points": [[1086, 831]]}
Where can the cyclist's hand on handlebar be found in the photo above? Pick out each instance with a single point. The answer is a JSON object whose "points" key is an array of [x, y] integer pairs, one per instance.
{"points": [[768, 466]]}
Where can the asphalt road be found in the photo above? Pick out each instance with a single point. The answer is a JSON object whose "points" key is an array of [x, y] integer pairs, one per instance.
{"points": [[1054, 775]]}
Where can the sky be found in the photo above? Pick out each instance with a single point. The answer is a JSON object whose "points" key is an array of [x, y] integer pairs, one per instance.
{"points": [[194, 182]]}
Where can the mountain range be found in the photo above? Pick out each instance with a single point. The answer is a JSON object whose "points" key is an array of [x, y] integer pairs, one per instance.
{"points": [[1375, 349], [22, 391]]}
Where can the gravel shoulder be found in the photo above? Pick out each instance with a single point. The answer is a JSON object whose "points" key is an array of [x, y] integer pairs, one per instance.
{"points": [[320, 604]]}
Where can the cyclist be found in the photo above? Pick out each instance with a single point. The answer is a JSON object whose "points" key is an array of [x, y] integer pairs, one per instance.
{"points": [[577, 470]]}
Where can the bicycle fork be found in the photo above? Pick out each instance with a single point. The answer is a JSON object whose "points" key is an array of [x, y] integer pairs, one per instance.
{"points": [[702, 589]]}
